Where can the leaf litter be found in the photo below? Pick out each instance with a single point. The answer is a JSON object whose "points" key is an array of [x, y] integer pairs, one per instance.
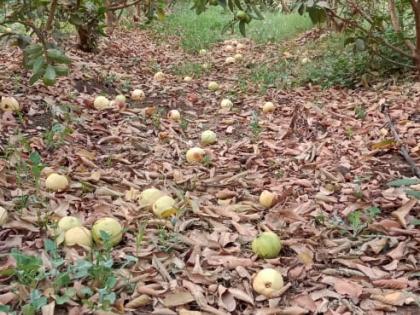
{"points": [[349, 231]]}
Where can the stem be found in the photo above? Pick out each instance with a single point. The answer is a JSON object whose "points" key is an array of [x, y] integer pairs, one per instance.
{"points": [[123, 6], [51, 15]]}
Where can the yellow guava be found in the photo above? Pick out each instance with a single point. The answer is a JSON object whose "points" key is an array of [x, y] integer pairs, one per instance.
{"points": [[101, 103], [208, 137], [164, 207], [66, 223], [137, 95], [268, 282], [226, 103], [79, 236], [3, 216], [267, 198], [174, 115], [56, 182], [267, 245], [110, 226], [213, 86], [268, 107], [9, 104], [195, 155], [149, 196]]}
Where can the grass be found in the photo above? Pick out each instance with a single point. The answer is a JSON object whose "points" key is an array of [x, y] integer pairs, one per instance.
{"points": [[204, 30]]}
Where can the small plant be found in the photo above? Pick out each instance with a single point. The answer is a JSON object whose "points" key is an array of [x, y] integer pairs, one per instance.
{"points": [[140, 236], [360, 112], [183, 124], [207, 162], [28, 268], [349, 133], [36, 167], [156, 117], [255, 125], [55, 137]]}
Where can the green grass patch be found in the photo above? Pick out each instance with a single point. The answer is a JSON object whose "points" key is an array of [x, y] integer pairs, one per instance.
{"points": [[330, 63], [204, 30], [188, 69]]}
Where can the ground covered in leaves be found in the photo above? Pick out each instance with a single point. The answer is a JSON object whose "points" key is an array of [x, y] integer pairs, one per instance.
{"points": [[350, 237]]}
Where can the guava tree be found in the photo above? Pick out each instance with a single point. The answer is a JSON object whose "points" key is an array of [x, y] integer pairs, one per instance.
{"points": [[37, 26], [384, 28]]}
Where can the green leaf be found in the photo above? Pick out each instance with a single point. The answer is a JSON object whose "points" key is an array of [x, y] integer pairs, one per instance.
{"points": [[61, 70], [36, 76], [58, 56], [35, 158], [50, 76], [404, 182], [242, 27], [33, 49], [413, 193], [39, 64]]}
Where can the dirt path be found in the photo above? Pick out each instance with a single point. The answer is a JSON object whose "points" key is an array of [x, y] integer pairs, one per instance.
{"points": [[322, 161]]}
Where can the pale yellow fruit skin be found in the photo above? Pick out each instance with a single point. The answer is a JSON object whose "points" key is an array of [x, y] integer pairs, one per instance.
{"points": [[120, 98], [9, 104], [213, 86], [267, 198], [205, 66], [228, 48], [268, 107], [110, 226], [8, 30], [195, 155], [226, 103], [187, 79], [230, 60], [238, 57], [137, 95], [101, 103], [208, 137], [56, 182], [202, 52], [267, 245], [268, 282], [240, 46], [66, 223], [164, 207], [78, 235], [305, 60], [159, 76], [174, 115], [3, 216], [149, 196]]}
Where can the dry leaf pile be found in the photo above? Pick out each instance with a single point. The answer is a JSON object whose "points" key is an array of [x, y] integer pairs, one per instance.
{"points": [[350, 241]]}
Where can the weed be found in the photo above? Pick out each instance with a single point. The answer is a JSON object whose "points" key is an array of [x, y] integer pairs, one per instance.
{"points": [[189, 69], [207, 162], [55, 137], [156, 117], [203, 31], [183, 124], [349, 133], [140, 236], [28, 268], [255, 125], [360, 112]]}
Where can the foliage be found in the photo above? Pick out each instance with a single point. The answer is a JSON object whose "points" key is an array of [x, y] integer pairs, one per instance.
{"points": [[382, 28]]}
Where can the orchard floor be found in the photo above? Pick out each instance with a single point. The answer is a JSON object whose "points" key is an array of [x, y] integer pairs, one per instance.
{"points": [[350, 241]]}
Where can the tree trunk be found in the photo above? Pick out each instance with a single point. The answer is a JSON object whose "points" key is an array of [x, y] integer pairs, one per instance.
{"points": [[416, 53], [88, 39]]}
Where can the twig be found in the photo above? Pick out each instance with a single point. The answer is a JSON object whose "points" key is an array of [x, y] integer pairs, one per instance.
{"points": [[403, 148]]}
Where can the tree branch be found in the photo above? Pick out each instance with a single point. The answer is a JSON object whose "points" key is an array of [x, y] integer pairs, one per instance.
{"points": [[123, 6], [51, 15]]}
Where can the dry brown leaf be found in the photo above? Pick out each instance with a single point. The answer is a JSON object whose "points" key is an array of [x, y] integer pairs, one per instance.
{"points": [[402, 212], [139, 301], [177, 299]]}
